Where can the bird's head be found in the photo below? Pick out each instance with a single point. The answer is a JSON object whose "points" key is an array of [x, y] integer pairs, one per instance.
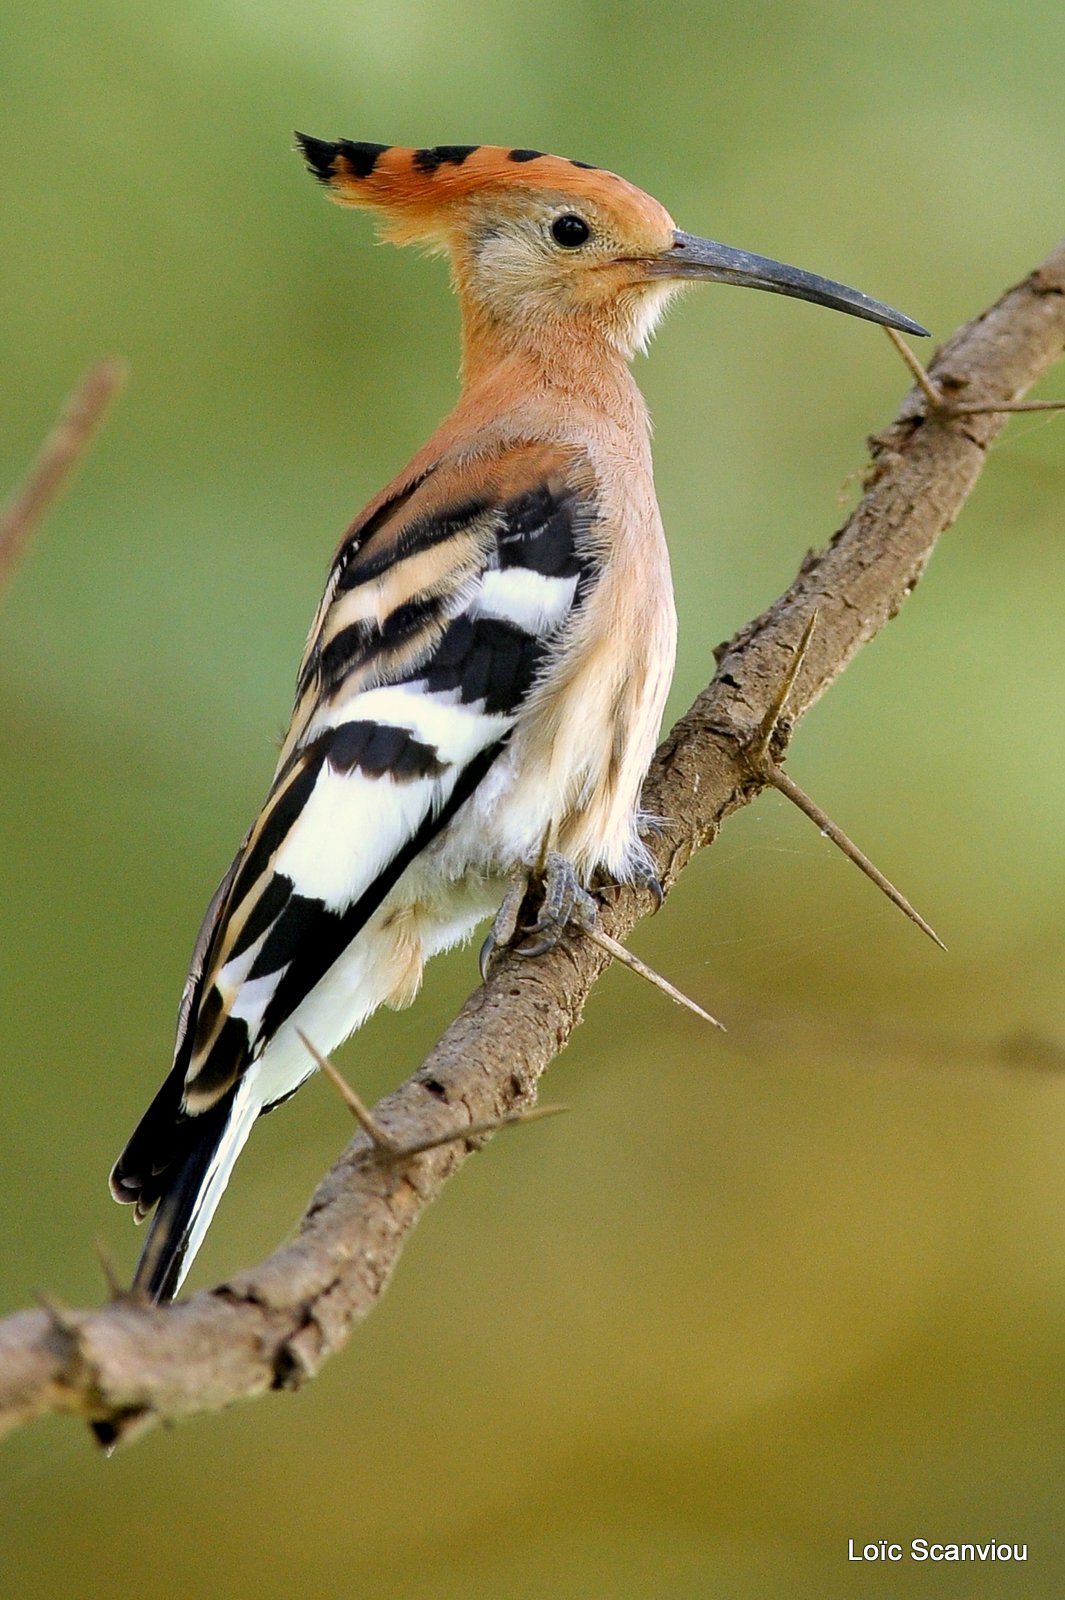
{"points": [[542, 246]]}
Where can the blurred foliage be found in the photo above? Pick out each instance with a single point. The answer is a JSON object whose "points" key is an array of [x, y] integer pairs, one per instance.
{"points": [[756, 1295]]}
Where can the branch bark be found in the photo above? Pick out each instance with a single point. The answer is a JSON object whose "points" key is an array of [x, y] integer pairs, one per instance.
{"points": [[127, 1366]]}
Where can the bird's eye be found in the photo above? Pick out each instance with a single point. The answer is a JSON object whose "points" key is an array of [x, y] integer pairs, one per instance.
{"points": [[570, 231]]}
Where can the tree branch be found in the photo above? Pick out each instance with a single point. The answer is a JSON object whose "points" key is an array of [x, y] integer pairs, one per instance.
{"points": [[58, 456], [127, 1366]]}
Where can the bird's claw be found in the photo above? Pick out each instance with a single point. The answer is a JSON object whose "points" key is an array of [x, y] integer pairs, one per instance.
{"points": [[644, 878], [564, 903], [505, 927]]}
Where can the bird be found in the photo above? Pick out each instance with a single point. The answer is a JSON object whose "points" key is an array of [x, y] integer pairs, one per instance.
{"points": [[481, 689]]}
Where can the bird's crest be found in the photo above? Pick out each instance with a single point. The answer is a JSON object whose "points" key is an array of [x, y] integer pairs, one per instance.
{"points": [[415, 192]]}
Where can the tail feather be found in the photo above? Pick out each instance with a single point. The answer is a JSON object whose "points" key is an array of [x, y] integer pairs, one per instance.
{"points": [[190, 1196]]}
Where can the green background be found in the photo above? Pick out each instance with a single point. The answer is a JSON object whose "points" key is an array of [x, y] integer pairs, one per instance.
{"points": [[754, 1296]]}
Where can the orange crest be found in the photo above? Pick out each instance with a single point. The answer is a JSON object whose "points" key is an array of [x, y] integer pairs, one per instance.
{"points": [[416, 190]]}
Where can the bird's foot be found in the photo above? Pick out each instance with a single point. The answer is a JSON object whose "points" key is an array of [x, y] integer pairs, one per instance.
{"points": [[563, 903], [505, 927]]}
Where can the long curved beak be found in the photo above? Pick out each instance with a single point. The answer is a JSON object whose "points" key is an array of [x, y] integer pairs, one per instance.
{"points": [[692, 257]]}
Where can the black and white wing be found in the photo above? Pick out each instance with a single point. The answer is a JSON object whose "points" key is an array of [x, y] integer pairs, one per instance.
{"points": [[442, 607]]}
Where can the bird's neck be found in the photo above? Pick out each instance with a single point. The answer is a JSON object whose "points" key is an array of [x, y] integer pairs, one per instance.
{"points": [[577, 364]]}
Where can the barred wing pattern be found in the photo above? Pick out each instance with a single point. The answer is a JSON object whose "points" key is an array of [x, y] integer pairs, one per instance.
{"points": [[444, 607]]}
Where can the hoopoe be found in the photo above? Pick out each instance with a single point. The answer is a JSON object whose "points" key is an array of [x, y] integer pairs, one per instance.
{"points": [[480, 694]]}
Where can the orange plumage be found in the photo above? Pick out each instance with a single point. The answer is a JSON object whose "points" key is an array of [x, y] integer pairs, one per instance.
{"points": [[426, 188]]}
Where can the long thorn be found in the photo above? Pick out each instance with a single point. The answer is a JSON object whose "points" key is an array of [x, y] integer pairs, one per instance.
{"points": [[780, 780], [933, 394], [379, 1137], [390, 1148], [960, 408], [116, 1289], [775, 710], [473, 1130], [763, 764], [627, 959], [1008, 405], [62, 1316]]}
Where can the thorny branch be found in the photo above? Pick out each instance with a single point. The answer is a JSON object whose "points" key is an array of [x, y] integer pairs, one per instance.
{"points": [[126, 1366]]}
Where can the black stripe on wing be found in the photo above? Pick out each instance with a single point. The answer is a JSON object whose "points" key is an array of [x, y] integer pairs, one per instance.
{"points": [[484, 658], [307, 939], [546, 529], [541, 531], [420, 534], [366, 638], [290, 794], [359, 535]]}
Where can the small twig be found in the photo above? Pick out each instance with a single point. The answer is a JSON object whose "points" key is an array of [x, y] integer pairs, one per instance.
{"points": [[56, 459], [476, 1130], [959, 408], [389, 1148], [621, 953], [763, 765]]}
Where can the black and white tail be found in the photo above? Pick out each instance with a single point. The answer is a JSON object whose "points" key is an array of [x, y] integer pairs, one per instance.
{"points": [[189, 1192]]}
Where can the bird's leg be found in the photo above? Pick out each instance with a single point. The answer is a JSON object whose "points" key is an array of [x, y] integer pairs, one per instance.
{"points": [[389, 1149], [762, 765], [563, 902]]}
